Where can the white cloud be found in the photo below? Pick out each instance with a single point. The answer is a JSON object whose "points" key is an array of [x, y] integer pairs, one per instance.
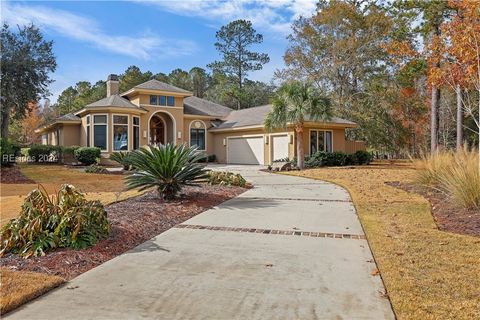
{"points": [[88, 30], [271, 15]]}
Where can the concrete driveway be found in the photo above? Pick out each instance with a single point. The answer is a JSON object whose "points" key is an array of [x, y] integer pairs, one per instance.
{"points": [[290, 248]]}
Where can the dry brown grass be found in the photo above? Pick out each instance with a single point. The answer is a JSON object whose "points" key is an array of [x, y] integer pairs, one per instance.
{"points": [[19, 287], [106, 188], [429, 274]]}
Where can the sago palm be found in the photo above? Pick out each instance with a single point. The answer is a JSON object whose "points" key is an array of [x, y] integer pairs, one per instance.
{"points": [[166, 168], [295, 103]]}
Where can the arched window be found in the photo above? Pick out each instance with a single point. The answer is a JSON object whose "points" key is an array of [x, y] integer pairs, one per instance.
{"points": [[198, 134]]}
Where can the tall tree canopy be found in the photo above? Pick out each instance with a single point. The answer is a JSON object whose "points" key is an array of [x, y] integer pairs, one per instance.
{"points": [[27, 61], [233, 43]]}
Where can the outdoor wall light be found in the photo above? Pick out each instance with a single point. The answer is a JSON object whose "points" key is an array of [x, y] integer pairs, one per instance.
{"points": [[224, 142], [144, 133], [179, 135]]}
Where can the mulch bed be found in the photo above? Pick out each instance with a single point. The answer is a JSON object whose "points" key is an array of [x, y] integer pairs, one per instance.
{"points": [[13, 175], [447, 216], [133, 222]]}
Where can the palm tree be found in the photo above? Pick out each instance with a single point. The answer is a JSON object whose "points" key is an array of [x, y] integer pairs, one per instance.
{"points": [[295, 103]]}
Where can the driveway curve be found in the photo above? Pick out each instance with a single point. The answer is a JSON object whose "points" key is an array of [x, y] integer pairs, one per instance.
{"points": [[290, 248]]}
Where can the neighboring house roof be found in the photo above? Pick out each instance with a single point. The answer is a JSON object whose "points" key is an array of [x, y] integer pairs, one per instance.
{"points": [[200, 107], [66, 118], [113, 101], [255, 117], [158, 85]]}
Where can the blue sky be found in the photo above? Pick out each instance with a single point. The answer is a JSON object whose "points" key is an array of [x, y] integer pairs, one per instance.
{"points": [[95, 38]]}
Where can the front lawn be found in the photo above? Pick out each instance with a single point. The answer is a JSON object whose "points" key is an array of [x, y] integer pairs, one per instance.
{"points": [[106, 188], [428, 273]]}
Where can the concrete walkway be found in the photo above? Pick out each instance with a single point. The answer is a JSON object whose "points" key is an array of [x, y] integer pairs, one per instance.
{"points": [[290, 248]]}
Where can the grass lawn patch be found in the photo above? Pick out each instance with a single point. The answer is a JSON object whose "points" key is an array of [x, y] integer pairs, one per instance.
{"points": [[18, 287], [428, 273]]}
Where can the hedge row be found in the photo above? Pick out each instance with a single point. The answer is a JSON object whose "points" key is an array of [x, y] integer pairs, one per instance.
{"points": [[337, 158], [48, 153]]}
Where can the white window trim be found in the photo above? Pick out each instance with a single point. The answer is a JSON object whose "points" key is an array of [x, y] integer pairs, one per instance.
{"points": [[309, 138], [190, 136], [139, 131], [106, 131], [88, 123], [128, 131]]}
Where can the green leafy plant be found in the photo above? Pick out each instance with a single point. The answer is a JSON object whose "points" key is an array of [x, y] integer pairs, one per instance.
{"points": [[87, 155], [121, 158], [44, 153], [64, 220], [68, 153], [226, 178], [94, 168], [210, 158], [8, 152], [166, 168], [363, 157]]}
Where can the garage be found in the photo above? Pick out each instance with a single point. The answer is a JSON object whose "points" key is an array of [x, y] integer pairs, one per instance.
{"points": [[245, 150], [279, 147]]}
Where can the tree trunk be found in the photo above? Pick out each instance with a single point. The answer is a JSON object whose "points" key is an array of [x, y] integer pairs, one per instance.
{"points": [[434, 119], [300, 150], [459, 119], [5, 123]]}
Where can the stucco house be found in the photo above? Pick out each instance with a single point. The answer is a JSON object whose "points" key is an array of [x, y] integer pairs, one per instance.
{"points": [[157, 113]]}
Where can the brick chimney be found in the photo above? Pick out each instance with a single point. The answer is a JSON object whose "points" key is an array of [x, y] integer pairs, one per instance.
{"points": [[112, 85]]}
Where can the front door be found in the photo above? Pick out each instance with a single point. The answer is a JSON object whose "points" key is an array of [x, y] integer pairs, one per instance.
{"points": [[157, 131]]}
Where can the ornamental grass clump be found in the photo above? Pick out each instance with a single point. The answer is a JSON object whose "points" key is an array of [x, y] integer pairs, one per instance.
{"points": [[63, 220], [166, 168], [455, 174]]}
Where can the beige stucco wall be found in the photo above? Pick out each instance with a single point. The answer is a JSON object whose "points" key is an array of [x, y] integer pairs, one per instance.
{"points": [[70, 135]]}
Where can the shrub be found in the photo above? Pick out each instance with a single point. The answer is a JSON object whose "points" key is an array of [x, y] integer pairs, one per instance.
{"points": [[455, 174], [226, 178], [44, 153], [167, 168], [68, 153], [351, 159], [363, 157], [121, 158], [210, 158], [64, 220], [8, 152], [94, 168], [87, 155]]}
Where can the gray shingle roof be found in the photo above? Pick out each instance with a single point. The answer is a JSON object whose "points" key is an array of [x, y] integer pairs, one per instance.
{"points": [[68, 117], [197, 106], [113, 101], [158, 85], [256, 116]]}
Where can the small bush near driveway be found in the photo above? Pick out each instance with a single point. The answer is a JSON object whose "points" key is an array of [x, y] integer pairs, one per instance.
{"points": [[226, 178], [87, 155]]}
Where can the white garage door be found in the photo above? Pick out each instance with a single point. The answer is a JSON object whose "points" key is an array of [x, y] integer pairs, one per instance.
{"points": [[280, 147], [246, 150]]}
